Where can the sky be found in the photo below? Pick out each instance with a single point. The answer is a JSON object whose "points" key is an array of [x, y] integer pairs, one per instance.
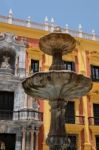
{"points": [[71, 12]]}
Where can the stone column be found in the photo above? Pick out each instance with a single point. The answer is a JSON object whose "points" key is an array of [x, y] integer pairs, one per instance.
{"points": [[23, 139], [28, 140], [36, 144], [32, 140], [16, 65], [22, 56], [18, 141], [16, 99], [20, 98]]}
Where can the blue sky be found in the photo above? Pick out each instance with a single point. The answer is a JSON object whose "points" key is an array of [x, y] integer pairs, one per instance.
{"points": [[71, 12]]}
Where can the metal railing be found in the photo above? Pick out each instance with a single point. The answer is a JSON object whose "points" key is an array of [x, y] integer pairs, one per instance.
{"points": [[24, 114], [47, 26], [75, 120], [93, 121]]}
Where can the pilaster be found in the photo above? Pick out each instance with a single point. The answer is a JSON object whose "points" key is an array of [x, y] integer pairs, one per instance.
{"points": [[27, 140], [22, 58], [36, 145], [83, 70], [32, 139], [18, 141], [23, 138]]}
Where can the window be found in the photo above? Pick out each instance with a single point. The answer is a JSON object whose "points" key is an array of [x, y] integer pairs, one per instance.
{"points": [[8, 141], [35, 65], [73, 143], [6, 105], [97, 142], [70, 113], [96, 113], [95, 73], [69, 65]]}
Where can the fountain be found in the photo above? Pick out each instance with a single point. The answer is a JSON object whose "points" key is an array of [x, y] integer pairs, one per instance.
{"points": [[57, 85]]}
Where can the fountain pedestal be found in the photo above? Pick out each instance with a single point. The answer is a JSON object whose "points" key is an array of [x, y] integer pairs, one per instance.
{"points": [[57, 137]]}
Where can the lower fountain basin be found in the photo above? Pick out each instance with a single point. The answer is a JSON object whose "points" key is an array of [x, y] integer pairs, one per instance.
{"points": [[54, 85]]}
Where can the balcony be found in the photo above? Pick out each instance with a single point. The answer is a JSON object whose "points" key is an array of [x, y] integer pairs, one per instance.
{"points": [[94, 124], [93, 121], [24, 114], [75, 120], [74, 124]]}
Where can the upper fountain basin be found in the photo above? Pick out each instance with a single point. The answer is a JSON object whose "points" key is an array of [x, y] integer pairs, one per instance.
{"points": [[57, 42]]}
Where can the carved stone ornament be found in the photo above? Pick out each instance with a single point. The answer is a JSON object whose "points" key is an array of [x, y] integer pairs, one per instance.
{"points": [[5, 63]]}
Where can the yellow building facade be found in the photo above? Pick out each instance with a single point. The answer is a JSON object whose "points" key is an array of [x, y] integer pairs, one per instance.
{"points": [[82, 118]]}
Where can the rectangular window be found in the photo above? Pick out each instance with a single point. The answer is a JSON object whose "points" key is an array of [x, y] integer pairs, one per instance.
{"points": [[8, 140], [97, 142], [70, 113], [6, 105], [35, 65], [96, 113], [95, 73], [69, 65], [73, 142]]}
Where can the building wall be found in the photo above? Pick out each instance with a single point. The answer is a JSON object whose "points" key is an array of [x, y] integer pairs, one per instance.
{"points": [[86, 53]]}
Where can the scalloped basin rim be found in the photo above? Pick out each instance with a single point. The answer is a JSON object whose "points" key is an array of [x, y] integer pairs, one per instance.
{"points": [[57, 84], [54, 71]]}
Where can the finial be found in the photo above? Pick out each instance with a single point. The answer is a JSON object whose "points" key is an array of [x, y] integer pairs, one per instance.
{"points": [[80, 27], [29, 21], [66, 26], [10, 16], [52, 25], [52, 20], [29, 18], [93, 31], [10, 12], [46, 19], [80, 30], [93, 35]]}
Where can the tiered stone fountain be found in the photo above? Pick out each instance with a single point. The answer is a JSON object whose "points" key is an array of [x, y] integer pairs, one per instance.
{"points": [[57, 85]]}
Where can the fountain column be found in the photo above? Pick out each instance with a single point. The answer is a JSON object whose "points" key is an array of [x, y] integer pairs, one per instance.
{"points": [[57, 137]]}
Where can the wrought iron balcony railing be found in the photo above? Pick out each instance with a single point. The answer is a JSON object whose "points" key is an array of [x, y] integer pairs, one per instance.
{"points": [[25, 114], [93, 120], [74, 120]]}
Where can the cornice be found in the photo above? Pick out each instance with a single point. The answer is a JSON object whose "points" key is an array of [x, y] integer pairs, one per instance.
{"points": [[22, 31]]}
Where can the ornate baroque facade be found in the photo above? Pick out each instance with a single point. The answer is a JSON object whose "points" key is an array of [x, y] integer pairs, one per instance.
{"points": [[22, 119]]}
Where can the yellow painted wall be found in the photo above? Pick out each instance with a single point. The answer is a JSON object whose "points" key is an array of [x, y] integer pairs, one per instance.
{"points": [[82, 46]]}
